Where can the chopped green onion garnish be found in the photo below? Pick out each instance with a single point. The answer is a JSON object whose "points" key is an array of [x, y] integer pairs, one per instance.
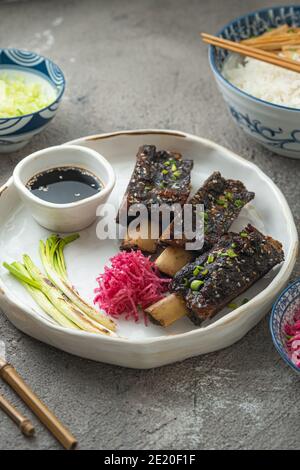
{"points": [[205, 216], [231, 253], [177, 173], [185, 282], [174, 167], [164, 172], [196, 271], [238, 203], [195, 285], [167, 163], [233, 245], [221, 202], [244, 234], [210, 259], [228, 196], [232, 305], [200, 270]]}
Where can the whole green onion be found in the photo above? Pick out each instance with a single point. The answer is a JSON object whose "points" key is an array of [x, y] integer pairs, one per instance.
{"points": [[54, 293], [60, 301], [52, 256], [43, 301]]}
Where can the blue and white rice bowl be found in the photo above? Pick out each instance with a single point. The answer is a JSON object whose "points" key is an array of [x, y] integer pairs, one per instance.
{"points": [[16, 132], [282, 313], [274, 126]]}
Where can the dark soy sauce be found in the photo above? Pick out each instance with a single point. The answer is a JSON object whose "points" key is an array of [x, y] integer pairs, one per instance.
{"points": [[64, 185]]}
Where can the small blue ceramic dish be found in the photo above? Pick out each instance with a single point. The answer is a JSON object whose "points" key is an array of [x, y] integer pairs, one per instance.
{"points": [[274, 126], [283, 312], [16, 132]]}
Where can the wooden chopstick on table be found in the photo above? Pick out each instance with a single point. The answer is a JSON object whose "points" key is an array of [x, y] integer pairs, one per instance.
{"points": [[248, 51], [9, 374], [23, 423]]}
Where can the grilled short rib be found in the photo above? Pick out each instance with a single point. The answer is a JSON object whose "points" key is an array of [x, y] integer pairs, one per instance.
{"points": [[159, 177], [215, 278], [223, 200]]}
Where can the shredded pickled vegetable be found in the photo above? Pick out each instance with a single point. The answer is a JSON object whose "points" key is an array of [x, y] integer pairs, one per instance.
{"points": [[292, 331], [19, 97], [131, 284]]}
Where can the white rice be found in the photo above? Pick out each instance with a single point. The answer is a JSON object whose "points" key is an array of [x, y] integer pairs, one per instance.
{"points": [[265, 81]]}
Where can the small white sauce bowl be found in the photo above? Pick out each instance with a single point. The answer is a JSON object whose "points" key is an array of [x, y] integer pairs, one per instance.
{"points": [[64, 217]]}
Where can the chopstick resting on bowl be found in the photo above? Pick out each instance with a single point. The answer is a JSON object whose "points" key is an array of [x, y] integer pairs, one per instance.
{"points": [[248, 51]]}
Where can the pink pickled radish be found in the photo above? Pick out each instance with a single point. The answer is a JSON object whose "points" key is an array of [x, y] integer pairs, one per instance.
{"points": [[292, 331], [130, 284]]}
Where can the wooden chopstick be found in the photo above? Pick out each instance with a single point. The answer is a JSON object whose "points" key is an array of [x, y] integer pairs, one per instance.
{"points": [[270, 39], [9, 374], [248, 51], [23, 423]]}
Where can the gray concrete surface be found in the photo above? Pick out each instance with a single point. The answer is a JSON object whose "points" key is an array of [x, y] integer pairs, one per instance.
{"points": [[133, 64]]}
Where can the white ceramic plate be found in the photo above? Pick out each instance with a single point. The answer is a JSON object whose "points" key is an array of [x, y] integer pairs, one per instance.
{"points": [[140, 346]]}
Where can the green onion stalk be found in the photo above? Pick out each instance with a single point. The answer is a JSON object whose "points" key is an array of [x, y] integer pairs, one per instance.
{"points": [[54, 293], [39, 281], [41, 299], [52, 256]]}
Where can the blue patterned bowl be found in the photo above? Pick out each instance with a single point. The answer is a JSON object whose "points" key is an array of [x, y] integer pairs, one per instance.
{"points": [[16, 132], [274, 126], [282, 312]]}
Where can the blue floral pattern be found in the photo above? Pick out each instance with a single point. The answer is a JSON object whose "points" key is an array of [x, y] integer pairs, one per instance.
{"points": [[256, 24], [268, 136], [16, 132], [283, 312], [274, 126]]}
